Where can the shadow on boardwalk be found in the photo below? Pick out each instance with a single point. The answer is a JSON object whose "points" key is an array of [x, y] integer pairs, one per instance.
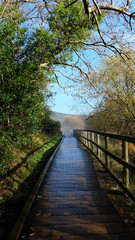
{"points": [[71, 204]]}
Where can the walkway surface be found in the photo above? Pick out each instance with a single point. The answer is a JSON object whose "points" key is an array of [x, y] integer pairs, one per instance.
{"points": [[71, 204]]}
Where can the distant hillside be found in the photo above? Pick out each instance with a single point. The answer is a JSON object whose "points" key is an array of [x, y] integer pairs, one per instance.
{"points": [[60, 116], [68, 121]]}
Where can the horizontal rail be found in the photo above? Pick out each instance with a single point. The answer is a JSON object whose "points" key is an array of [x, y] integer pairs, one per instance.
{"points": [[117, 180], [112, 135], [117, 159], [91, 139]]}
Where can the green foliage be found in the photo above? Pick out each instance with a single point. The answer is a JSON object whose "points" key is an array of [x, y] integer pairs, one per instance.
{"points": [[23, 85], [22, 88], [69, 28], [51, 126]]}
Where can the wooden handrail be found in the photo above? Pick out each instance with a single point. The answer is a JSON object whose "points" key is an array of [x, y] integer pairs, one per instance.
{"points": [[91, 139], [112, 135]]}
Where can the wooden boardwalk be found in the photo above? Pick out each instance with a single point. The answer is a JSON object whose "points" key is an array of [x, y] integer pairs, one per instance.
{"points": [[71, 204]]}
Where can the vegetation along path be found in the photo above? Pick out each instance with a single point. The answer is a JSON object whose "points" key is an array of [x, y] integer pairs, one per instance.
{"points": [[71, 204]]}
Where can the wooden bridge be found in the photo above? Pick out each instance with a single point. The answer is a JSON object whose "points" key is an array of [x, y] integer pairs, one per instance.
{"points": [[71, 204]]}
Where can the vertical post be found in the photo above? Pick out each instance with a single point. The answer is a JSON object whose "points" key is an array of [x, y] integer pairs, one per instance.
{"points": [[126, 159], [106, 148], [93, 141], [83, 137], [98, 149], [87, 139]]}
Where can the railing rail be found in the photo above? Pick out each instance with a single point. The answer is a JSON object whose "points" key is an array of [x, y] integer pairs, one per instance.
{"points": [[115, 165]]}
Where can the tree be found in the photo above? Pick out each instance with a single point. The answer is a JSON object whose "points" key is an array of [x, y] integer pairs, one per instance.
{"points": [[20, 82], [50, 126], [103, 25], [23, 87], [66, 30], [117, 108]]}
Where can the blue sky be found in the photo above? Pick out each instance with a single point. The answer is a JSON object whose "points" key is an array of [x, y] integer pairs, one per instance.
{"points": [[65, 103], [62, 102]]}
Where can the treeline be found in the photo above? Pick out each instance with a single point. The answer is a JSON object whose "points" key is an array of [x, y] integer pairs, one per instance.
{"points": [[115, 83], [23, 89]]}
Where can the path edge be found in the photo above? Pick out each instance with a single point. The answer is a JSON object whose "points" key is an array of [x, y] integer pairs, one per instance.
{"points": [[25, 211]]}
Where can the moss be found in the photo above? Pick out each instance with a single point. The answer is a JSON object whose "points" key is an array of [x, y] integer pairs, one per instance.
{"points": [[8, 194], [24, 172], [29, 168], [1, 200], [15, 186]]}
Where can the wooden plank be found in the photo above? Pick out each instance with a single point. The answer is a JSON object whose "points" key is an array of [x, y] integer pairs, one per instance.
{"points": [[78, 210]]}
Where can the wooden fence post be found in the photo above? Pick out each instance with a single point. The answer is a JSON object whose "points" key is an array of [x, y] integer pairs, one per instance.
{"points": [[126, 159], [86, 135], [92, 140], [87, 139], [98, 142], [106, 155]]}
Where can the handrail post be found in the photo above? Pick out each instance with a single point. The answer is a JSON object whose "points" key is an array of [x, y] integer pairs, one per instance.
{"points": [[93, 141], [88, 135], [98, 142], [106, 155], [126, 159], [82, 137], [87, 140]]}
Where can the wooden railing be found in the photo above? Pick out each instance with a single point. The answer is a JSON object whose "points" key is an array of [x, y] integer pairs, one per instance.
{"points": [[112, 151]]}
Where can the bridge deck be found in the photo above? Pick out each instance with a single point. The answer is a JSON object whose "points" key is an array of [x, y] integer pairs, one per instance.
{"points": [[71, 204]]}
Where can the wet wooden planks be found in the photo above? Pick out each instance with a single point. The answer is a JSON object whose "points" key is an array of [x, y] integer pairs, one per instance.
{"points": [[71, 204]]}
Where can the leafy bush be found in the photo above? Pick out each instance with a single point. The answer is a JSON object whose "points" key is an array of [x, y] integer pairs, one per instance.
{"points": [[51, 126]]}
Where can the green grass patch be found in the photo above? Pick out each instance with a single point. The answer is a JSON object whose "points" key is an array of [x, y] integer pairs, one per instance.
{"points": [[16, 187]]}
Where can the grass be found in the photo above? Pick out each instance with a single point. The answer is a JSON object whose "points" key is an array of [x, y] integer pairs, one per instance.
{"points": [[16, 186]]}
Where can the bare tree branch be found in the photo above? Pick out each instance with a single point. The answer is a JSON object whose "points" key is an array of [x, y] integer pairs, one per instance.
{"points": [[86, 7], [47, 7], [111, 2], [4, 9], [128, 2], [67, 76], [111, 8], [64, 87], [71, 3], [96, 5], [98, 28]]}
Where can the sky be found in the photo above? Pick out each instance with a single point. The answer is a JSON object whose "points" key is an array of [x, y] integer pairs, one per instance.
{"points": [[62, 102], [65, 103]]}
